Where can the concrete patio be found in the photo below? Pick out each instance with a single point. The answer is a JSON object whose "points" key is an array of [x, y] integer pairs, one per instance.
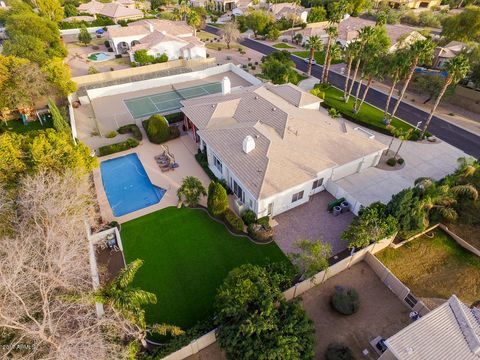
{"points": [[311, 221]]}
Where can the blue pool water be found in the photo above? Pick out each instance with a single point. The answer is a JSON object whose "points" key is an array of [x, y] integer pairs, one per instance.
{"points": [[127, 185]]}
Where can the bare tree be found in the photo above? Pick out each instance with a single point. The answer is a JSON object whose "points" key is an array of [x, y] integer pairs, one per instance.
{"points": [[230, 33], [43, 268]]}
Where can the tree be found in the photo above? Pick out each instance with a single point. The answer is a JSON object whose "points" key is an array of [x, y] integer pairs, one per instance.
{"points": [[406, 207], [429, 85], [51, 9], [190, 191], [254, 320], [350, 52], [332, 33], [279, 67], [317, 14], [467, 166], [464, 26], [298, 38], [59, 122], [420, 51], [129, 301], [59, 76], [257, 21], [395, 67], [230, 33], [69, 10], [314, 43], [374, 69], [158, 130], [403, 135], [373, 224], [45, 267], [27, 47], [310, 257], [358, 6], [217, 201], [84, 36], [293, 18], [142, 57], [457, 68], [194, 20], [273, 34]]}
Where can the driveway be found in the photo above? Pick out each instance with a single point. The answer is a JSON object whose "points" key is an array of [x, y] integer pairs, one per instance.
{"points": [[434, 160], [311, 221]]}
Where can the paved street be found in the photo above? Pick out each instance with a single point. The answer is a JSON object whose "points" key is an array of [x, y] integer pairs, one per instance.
{"points": [[454, 135]]}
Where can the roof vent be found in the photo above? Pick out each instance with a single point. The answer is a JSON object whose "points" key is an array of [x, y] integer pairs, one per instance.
{"points": [[256, 97], [273, 109], [248, 144]]}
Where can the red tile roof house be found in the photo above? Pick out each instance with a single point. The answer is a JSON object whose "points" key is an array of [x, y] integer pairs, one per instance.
{"points": [[174, 38], [274, 145], [118, 10]]}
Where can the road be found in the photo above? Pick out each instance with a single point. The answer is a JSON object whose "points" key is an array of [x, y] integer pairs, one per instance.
{"points": [[454, 135]]}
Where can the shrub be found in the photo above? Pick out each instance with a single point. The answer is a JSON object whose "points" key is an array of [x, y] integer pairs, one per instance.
{"points": [[111, 134], [233, 220], [264, 221], [161, 59], [121, 146], [158, 130], [131, 128], [391, 162], [249, 217], [203, 162], [400, 161], [345, 301], [217, 202], [175, 117], [107, 43], [338, 352], [118, 56]]}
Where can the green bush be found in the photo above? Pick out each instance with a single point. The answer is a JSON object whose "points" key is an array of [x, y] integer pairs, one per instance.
{"points": [[217, 201], [161, 59], [337, 351], [158, 130], [264, 221], [121, 146], [400, 161], [233, 220], [174, 132], [203, 162], [249, 217], [111, 134], [391, 162], [346, 301], [175, 117], [131, 129]]}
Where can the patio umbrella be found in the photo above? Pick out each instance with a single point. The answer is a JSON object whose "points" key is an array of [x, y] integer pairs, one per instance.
{"points": [[100, 31]]}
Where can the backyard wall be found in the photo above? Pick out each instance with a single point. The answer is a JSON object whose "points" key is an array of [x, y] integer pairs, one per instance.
{"points": [[89, 29], [298, 289]]}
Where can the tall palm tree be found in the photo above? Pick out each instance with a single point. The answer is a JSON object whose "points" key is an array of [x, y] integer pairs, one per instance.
{"points": [[457, 68], [420, 51], [128, 302], [314, 43], [332, 33], [350, 52], [374, 69], [441, 197], [395, 67], [363, 38], [194, 20]]}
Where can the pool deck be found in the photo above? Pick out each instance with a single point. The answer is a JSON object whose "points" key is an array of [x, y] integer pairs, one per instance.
{"points": [[182, 148]]}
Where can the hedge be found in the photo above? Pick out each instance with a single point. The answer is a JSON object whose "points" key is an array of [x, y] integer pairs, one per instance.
{"points": [[175, 117], [131, 129], [174, 132], [203, 162], [121, 146], [233, 220]]}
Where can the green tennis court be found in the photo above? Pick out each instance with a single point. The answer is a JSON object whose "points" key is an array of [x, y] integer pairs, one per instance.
{"points": [[168, 101]]}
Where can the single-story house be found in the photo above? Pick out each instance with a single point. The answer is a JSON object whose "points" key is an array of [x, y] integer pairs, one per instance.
{"points": [[414, 4], [282, 10], [451, 331], [174, 38], [444, 53], [117, 10], [216, 5], [274, 145]]}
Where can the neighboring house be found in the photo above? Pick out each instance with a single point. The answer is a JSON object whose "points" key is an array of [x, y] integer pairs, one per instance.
{"points": [[118, 10], [451, 331], [79, 18], [274, 145], [414, 4], [445, 53], [174, 38], [282, 10], [216, 5]]}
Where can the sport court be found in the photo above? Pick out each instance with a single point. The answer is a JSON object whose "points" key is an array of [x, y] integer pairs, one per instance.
{"points": [[165, 102]]}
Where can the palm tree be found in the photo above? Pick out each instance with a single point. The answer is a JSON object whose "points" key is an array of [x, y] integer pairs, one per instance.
{"points": [[395, 66], [363, 37], [313, 44], [374, 69], [403, 135], [457, 68], [350, 52], [128, 302], [194, 20], [467, 166], [293, 17], [332, 32], [191, 190], [420, 51], [441, 197]]}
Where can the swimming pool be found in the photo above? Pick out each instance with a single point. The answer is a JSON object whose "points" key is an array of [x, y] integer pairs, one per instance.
{"points": [[99, 56], [127, 185]]}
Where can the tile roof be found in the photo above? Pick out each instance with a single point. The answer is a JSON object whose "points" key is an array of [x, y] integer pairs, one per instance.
{"points": [[115, 10], [451, 331], [290, 137], [142, 27]]}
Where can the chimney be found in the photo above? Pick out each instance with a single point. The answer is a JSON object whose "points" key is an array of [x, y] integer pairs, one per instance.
{"points": [[226, 86], [248, 144]]}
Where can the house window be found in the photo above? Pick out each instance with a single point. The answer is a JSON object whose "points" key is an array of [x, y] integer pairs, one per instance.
{"points": [[317, 183], [217, 163], [297, 196], [238, 191]]}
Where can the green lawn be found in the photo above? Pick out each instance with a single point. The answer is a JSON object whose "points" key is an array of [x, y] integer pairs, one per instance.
{"points": [[369, 116], [18, 126], [187, 256], [435, 268], [319, 56], [283, 46]]}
